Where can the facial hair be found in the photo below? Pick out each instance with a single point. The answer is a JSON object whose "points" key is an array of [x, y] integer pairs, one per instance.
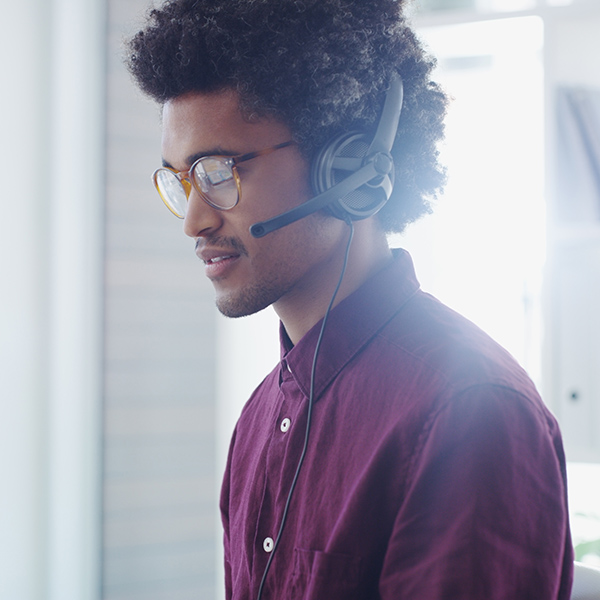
{"points": [[250, 299]]}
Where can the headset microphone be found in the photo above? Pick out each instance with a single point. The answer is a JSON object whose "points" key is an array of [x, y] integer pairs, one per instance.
{"points": [[352, 178]]}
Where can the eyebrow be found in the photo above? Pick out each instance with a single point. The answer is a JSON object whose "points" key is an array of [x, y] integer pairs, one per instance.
{"points": [[190, 160]]}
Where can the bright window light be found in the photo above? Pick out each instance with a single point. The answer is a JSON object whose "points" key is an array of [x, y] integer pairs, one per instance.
{"points": [[483, 249], [508, 5]]}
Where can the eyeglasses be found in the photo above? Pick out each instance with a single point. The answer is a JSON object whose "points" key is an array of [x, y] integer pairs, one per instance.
{"points": [[215, 178]]}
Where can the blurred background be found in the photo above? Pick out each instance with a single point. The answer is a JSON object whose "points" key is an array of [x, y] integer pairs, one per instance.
{"points": [[120, 382]]}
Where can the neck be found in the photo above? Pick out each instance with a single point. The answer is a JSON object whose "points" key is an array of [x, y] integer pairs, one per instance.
{"points": [[369, 253]]}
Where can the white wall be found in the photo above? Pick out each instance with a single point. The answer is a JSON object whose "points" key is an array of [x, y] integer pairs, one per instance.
{"points": [[50, 236], [23, 347]]}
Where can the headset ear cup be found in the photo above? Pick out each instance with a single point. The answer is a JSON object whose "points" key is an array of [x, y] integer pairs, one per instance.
{"points": [[338, 159]]}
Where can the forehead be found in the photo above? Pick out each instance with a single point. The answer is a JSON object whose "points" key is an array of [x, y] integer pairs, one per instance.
{"points": [[210, 123]]}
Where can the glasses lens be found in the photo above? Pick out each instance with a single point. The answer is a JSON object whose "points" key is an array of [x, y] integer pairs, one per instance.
{"points": [[215, 179], [171, 191]]}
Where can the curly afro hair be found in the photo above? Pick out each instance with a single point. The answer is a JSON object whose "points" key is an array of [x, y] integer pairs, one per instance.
{"points": [[320, 66]]}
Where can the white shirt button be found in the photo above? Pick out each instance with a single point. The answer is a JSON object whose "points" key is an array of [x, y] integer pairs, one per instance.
{"points": [[268, 544], [288, 367], [285, 425]]}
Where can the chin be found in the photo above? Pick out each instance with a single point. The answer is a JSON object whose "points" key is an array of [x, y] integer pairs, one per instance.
{"points": [[244, 304]]}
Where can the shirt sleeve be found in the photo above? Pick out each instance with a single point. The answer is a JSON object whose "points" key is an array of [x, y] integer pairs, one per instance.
{"points": [[485, 513]]}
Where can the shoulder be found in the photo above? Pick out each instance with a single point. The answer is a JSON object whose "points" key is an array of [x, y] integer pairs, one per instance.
{"points": [[429, 362], [448, 348]]}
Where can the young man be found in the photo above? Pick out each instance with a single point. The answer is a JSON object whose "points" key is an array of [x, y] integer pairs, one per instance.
{"points": [[395, 451]]}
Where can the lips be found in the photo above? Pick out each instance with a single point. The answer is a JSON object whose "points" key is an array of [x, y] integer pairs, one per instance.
{"points": [[210, 256], [217, 259]]}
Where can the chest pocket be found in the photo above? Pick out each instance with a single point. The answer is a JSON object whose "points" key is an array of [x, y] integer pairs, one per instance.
{"points": [[326, 575]]}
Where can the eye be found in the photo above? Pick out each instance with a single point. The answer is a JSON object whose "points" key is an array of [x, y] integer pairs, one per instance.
{"points": [[219, 175], [212, 172]]}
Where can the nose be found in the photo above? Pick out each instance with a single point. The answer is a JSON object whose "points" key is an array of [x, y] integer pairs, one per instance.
{"points": [[201, 219]]}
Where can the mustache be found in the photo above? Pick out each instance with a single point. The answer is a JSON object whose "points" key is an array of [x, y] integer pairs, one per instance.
{"points": [[225, 243]]}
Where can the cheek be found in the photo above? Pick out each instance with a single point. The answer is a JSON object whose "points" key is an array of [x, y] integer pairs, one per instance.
{"points": [[281, 183], [295, 248], [293, 182]]}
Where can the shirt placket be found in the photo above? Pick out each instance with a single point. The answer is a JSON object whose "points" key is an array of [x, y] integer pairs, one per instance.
{"points": [[281, 460]]}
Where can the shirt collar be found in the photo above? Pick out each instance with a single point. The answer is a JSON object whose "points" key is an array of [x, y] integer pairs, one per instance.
{"points": [[351, 324]]}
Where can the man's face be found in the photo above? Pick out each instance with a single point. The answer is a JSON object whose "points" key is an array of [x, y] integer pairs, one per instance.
{"points": [[287, 268]]}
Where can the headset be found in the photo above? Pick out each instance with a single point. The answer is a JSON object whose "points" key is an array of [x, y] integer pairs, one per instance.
{"points": [[353, 179], [352, 176]]}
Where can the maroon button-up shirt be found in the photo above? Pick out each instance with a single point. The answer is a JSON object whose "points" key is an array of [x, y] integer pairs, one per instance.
{"points": [[434, 470]]}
